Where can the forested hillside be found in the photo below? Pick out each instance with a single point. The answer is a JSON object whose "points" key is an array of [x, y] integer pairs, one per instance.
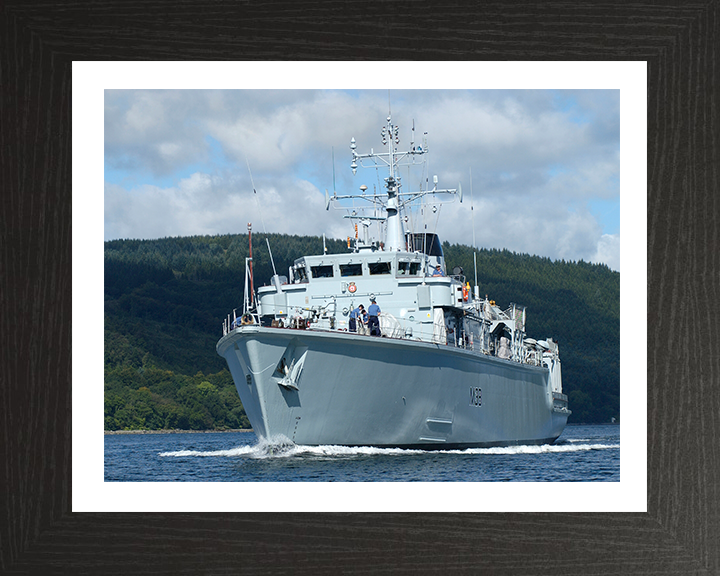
{"points": [[165, 300]]}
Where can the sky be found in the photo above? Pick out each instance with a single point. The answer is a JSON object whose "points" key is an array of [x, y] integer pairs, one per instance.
{"points": [[539, 168]]}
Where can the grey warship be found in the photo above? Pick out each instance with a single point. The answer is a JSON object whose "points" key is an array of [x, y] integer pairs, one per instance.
{"points": [[448, 369]]}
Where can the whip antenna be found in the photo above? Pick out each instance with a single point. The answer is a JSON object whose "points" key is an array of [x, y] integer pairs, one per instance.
{"points": [[333, 163], [472, 217], [261, 218]]}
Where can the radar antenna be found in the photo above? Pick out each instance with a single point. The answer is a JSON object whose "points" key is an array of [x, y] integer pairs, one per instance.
{"points": [[394, 200]]}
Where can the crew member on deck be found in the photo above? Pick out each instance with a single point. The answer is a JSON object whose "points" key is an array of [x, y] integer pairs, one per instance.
{"points": [[373, 322], [438, 271], [355, 315], [362, 319]]}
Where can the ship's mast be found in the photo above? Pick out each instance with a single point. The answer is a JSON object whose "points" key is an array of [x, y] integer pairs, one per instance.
{"points": [[395, 234], [393, 158]]}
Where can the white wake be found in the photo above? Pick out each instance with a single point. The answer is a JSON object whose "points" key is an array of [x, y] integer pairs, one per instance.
{"points": [[283, 448]]}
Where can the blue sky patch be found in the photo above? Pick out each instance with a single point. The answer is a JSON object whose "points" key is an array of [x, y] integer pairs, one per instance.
{"points": [[607, 213]]}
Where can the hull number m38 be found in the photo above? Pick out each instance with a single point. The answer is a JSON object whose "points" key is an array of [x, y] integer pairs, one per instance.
{"points": [[475, 396]]}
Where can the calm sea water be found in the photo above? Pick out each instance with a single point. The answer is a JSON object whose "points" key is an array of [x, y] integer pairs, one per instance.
{"points": [[581, 454]]}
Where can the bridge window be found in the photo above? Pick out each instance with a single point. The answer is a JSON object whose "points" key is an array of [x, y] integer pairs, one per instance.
{"points": [[406, 268], [300, 274], [379, 267], [322, 271], [351, 270], [425, 242]]}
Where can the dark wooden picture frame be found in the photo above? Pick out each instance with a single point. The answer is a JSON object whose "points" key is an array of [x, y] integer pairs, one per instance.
{"points": [[680, 532]]}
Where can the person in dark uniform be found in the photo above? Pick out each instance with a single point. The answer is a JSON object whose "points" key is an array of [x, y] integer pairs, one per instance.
{"points": [[355, 315], [373, 322]]}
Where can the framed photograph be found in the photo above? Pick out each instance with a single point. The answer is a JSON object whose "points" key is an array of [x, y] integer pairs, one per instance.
{"points": [[500, 194], [62, 516]]}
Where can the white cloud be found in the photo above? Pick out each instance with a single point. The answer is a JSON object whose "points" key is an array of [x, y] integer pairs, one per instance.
{"points": [[205, 204], [536, 157], [608, 251]]}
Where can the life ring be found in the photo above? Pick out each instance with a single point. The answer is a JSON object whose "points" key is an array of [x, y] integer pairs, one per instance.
{"points": [[246, 320]]}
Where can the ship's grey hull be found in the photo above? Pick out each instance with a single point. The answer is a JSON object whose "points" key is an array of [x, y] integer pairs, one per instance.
{"points": [[355, 390]]}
